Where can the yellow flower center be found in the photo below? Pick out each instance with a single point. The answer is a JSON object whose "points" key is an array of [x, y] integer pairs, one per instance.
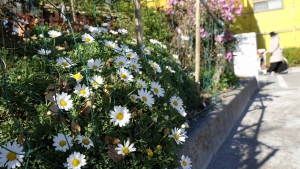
{"points": [[63, 103], [95, 83], [111, 46], [146, 51], [184, 163], [108, 86], [65, 64], [155, 68], [176, 136], [125, 150], [124, 76], [87, 39], [175, 103], [152, 64], [75, 162], [95, 67], [129, 55], [85, 141], [140, 85], [159, 147], [156, 90], [133, 66], [119, 116], [150, 153], [82, 91], [62, 143], [121, 63], [144, 98], [54, 35], [78, 76], [132, 97], [11, 156]]}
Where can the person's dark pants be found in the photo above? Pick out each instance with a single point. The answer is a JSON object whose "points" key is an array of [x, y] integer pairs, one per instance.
{"points": [[278, 67]]}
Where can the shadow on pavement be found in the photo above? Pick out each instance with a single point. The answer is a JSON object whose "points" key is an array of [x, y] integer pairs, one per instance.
{"points": [[242, 150]]}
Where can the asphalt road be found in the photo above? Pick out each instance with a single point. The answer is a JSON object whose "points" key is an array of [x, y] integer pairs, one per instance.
{"points": [[267, 135]]}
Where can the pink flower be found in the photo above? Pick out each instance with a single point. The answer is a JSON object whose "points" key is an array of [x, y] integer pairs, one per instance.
{"points": [[229, 56], [171, 2], [181, 3], [219, 38]]}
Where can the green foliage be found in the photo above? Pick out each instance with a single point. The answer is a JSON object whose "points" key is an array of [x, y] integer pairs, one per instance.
{"points": [[30, 115], [292, 55]]}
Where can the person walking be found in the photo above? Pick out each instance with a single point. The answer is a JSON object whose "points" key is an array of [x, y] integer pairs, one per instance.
{"points": [[277, 63]]}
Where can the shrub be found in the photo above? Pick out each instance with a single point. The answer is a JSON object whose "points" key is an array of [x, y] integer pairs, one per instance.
{"points": [[293, 55]]}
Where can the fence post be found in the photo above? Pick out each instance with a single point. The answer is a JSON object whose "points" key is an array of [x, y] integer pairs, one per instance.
{"points": [[138, 25], [198, 43]]}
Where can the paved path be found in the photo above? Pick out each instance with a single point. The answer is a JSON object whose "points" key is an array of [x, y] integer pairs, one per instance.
{"points": [[267, 136]]}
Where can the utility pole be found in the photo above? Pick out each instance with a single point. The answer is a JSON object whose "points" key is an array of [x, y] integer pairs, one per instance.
{"points": [[198, 42], [138, 25]]}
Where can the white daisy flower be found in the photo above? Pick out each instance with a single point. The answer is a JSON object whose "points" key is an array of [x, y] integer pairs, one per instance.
{"points": [[102, 30], [96, 33], [125, 75], [126, 148], [122, 31], [141, 84], [175, 56], [157, 89], [132, 55], [96, 64], [166, 117], [61, 143], [65, 62], [105, 24], [121, 61], [44, 52], [125, 48], [176, 102], [78, 77], [96, 81], [63, 101], [185, 162], [178, 137], [85, 141], [11, 156], [41, 35], [184, 38], [156, 68], [170, 69], [54, 34], [113, 32], [87, 38], [112, 45], [146, 97], [92, 28], [120, 116], [76, 161], [146, 51], [133, 98], [134, 65], [154, 119], [151, 63], [182, 112], [82, 90], [154, 41], [185, 125]]}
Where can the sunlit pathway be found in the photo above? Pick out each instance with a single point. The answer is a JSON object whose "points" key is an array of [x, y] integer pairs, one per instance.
{"points": [[267, 135]]}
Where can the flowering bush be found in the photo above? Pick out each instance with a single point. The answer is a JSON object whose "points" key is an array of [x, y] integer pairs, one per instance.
{"points": [[99, 103]]}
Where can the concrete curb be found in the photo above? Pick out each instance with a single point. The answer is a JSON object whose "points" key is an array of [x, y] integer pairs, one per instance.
{"points": [[208, 134]]}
